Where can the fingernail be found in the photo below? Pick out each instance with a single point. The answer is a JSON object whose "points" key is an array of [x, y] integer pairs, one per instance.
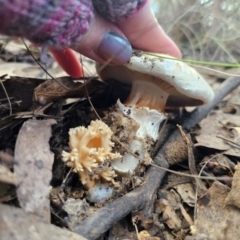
{"points": [[114, 47]]}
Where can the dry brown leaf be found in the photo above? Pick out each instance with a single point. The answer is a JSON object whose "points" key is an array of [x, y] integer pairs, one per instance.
{"points": [[236, 133], [211, 141], [77, 210], [15, 46], [121, 231], [172, 219], [64, 87], [33, 167], [234, 152], [6, 176], [218, 122], [145, 235], [186, 192], [214, 142], [235, 97], [19, 225], [233, 197], [215, 220], [19, 69]]}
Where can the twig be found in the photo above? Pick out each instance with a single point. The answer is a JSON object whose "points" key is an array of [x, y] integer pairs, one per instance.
{"points": [[185, 214], [9, 101], [143, 197], [62, 85], [229, 140]]}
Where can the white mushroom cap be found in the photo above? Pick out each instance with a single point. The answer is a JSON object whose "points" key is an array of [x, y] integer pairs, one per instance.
{"points": [[168, 80]]}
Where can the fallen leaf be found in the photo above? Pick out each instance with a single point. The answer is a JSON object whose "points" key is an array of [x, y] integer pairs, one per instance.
{"points": [[217, 123], [215, 220], [214, 142], [173, 221], [17, 224], [6, 176], [211, 141], [121, 231], [186, 192], [65, 87], [77, 210], [236, 132], [33, 167], [19, 69], [145, 235], [233, 197], [235, 97]]}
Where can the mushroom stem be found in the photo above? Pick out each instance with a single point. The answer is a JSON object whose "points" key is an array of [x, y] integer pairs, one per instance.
{"points": [[144, 93], [127, 164], [149, 121]]}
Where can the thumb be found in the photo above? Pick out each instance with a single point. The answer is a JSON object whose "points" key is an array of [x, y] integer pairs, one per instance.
{"points": [[144, 32], [104, 42]]}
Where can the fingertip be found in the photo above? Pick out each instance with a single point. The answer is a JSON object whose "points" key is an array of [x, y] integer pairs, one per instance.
{"points": [[167, 46], [69, 61], [104, 42], [144, 33], [114, 48]]}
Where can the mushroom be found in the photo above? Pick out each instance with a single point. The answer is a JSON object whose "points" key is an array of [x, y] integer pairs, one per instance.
{"points": [[156, 81], [91, 152]]}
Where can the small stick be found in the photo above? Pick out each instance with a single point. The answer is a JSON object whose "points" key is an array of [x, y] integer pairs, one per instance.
{"points": [[229, 140], [185, 215], [143, 197]]}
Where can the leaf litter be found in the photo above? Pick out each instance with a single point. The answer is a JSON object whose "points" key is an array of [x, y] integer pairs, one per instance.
{"points": [[38, 170]]}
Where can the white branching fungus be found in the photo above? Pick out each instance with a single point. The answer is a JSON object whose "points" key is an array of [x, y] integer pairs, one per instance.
{"points": [[91, 151], [156, 82]]}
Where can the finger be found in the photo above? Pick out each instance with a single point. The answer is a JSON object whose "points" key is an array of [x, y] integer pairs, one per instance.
{"points": [[69, 61], [144, 32], [104, 42]]}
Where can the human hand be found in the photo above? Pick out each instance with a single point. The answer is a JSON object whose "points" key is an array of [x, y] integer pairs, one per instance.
{"points": [[106, 41]]}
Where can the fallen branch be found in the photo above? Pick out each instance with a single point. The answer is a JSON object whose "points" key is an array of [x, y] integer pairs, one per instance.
{"points": [[143, 197]]}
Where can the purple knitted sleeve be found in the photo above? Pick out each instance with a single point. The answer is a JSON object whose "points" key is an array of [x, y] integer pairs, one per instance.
{"points": [[59, 22], [118, 10], [55, 22]]}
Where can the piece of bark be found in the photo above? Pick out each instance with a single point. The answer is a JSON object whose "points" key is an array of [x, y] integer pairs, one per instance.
{"points": [[19, 225], [33, 167], [63, 87], [20, 90], [233, 197]]}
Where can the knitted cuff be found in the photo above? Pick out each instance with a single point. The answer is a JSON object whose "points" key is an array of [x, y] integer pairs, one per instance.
{"points": [[117, 10], [50, 22]]}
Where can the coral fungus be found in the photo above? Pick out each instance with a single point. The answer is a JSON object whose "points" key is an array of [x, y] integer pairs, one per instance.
{"points": [[91, 152]]}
